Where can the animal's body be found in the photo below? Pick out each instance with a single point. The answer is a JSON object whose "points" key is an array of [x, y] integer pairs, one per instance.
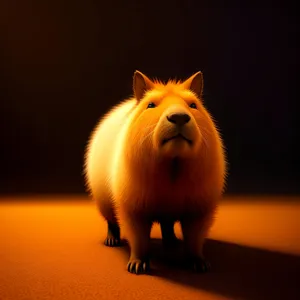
{"points": [[157, 157]]}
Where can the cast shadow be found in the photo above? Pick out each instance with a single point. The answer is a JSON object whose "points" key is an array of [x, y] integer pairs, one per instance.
{"points": [[237, 272]]}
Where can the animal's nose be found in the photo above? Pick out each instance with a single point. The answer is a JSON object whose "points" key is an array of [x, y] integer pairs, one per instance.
{"points": [[179, 118]]}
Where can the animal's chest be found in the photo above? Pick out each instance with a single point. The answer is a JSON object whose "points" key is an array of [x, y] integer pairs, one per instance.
{"points": [[169, 191], [172, 199]]}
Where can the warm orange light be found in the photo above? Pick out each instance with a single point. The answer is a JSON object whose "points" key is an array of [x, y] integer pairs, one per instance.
{"points": [[54, 250]]}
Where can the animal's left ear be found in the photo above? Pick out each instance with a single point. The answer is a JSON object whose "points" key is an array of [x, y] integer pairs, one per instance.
{"points": [[195, 84], [141, 84]]}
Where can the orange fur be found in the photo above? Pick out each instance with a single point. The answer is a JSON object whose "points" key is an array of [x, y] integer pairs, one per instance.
{"points": [[129, 170]]}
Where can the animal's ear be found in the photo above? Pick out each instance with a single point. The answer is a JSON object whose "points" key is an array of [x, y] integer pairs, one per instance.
{"points": [[141, 84], [195, 84]]}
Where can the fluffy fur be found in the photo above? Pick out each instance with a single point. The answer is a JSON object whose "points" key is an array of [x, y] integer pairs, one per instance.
{"points": [[137, 176]]}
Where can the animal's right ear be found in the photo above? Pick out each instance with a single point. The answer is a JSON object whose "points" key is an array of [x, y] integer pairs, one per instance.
{"points": [[195, 83], [141, 84]]}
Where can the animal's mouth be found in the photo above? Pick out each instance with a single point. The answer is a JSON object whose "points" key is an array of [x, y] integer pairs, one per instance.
{"points": [[178, 136]]}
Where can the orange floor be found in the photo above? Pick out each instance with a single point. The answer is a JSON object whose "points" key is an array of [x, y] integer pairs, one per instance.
{"points": [[53, 250]]}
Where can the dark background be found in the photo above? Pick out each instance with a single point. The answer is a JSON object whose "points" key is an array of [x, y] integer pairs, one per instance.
{"points": [[64, 63]]}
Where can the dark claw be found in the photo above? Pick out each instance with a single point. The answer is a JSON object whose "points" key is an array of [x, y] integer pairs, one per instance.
{"points": [[137, 266], [201, 265], [112, 242]]}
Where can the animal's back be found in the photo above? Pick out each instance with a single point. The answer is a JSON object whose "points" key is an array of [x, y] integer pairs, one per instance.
{"points": [[101, 149]]}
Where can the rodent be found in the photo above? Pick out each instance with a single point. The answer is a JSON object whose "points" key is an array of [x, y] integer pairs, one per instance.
{"points": [[157, 157]]}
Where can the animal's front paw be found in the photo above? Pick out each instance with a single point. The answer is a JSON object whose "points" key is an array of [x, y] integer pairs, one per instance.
{"points": [[138, 266], [200, 265], [111, 241]]}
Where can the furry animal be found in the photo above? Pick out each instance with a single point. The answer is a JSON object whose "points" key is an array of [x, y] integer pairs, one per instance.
{"points": [[157, 157]]}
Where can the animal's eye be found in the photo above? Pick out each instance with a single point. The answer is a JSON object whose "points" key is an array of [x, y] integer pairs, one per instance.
{"points": [[151, 105], [193, 105]]}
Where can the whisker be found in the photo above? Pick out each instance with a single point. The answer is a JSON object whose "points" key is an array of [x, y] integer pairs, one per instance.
{"points": [[146, 137], [205, 130], [205, 142], [150, 126]]}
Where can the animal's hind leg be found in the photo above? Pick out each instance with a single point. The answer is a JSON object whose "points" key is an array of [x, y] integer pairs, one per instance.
{"points": [[106, 209], [113, 234], [167, 232]]}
